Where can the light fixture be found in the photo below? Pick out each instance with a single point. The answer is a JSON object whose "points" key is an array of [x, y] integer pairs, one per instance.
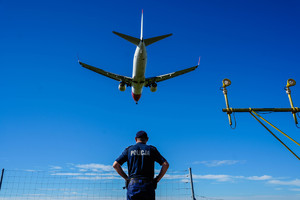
{"points": [[226, 82], [290, 82]]}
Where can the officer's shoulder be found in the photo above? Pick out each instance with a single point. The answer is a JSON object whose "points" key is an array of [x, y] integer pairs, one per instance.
{"points": [[128, 147], [152, 147]]}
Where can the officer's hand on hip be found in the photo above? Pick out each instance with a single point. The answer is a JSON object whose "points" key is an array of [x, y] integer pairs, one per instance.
{"points": [[127, 183], [155, 183]]}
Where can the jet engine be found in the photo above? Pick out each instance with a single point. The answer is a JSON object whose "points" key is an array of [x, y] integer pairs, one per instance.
{"points": [[122, 87], [153, 87]]}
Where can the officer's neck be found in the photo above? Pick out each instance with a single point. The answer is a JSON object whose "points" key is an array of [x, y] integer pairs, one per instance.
{"points": [[141, 142]]}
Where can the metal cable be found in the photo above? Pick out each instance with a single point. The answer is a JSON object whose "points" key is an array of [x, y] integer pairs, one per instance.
{"points": [[264, 113], [299, 118], [234, 121]]}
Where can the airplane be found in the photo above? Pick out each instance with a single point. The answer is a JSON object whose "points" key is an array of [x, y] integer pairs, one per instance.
{"points": [[138, 80]]}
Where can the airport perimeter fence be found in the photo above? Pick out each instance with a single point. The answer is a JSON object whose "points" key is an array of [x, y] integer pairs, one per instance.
{"points": [[84, 185]]}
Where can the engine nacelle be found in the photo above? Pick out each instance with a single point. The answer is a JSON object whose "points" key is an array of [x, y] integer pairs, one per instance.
{"points": [[153, 87], [122, 87]]}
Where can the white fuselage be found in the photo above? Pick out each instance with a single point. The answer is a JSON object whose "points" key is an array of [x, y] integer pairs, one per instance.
{"points": [[139, 68]]}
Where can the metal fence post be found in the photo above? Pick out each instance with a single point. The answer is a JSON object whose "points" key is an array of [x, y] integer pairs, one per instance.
{"points": [[192, 185], [2, 173]]}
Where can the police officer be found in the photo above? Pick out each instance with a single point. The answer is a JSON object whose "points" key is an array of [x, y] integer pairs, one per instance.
{"points": [[140, 158]]}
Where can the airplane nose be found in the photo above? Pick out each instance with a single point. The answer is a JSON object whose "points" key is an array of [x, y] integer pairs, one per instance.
{"points": [[136, 97]]}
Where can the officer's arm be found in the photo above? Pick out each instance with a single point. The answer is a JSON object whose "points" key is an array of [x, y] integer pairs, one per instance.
{"points": [[163, 170], [119, 169]]}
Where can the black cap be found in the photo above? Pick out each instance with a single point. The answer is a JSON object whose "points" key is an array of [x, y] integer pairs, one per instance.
{"points": [[141, 134]]}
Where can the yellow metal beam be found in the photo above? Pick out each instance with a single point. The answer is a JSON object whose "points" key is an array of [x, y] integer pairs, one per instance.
{"points": [[231, 110], [275, 136]]}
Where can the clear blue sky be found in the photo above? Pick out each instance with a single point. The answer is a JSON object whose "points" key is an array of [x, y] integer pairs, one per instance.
{"points": [[54, 112]]}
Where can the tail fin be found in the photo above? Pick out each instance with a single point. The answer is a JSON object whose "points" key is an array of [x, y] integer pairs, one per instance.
{"points": [[151, 40], [136, 41], [155, 39], [141, 38], [131, 39]]}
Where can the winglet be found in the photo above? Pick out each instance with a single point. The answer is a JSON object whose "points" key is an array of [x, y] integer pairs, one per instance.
{"points": [[199, 60], [78, 60]]}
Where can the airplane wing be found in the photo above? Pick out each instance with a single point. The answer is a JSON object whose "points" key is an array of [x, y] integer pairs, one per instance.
{"points": [[150, 81], [125, 79]]}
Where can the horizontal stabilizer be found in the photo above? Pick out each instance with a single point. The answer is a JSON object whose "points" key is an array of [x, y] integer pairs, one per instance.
{"points": [[155, 39], [131, 39]]}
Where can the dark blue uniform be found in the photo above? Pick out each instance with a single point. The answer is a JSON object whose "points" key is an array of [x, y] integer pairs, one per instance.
{"points": [[140, 159]]}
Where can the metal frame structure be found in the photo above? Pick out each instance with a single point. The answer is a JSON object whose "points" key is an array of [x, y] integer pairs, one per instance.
{"points": [[252, 111]]}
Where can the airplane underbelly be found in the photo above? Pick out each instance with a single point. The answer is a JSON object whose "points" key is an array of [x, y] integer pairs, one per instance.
{"points": [[138, 73], [139, 63], [137, 88], [139, 68]]}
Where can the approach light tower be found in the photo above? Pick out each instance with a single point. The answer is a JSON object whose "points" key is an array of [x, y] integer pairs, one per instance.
{"points": [[252, 111]]}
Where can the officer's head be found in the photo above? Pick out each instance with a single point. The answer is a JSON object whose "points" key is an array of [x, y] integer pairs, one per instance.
{"points": [[141, 136]]}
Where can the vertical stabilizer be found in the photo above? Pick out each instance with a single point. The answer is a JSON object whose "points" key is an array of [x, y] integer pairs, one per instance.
{"points": [[142, 26]]}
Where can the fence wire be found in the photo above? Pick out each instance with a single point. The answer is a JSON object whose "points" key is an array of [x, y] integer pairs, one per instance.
{"points": [[88, 185]]}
